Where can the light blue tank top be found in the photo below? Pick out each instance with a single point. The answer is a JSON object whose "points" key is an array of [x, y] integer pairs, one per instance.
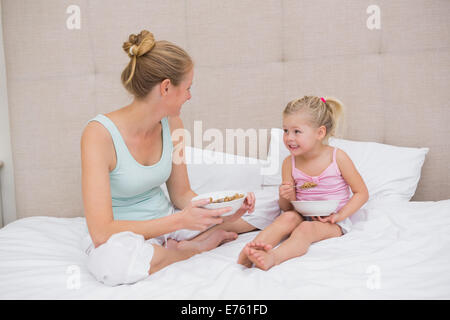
{"points": [[136, 189]]}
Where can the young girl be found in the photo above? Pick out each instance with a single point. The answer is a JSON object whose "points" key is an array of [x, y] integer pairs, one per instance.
{"points": [[314, 171]]}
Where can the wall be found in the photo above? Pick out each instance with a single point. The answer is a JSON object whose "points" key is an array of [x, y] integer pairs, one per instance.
{"points": [[7, 196], [251, 58]]}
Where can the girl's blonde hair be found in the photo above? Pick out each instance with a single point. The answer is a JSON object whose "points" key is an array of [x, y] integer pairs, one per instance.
{"points": [[152, 62], [320, 113]]}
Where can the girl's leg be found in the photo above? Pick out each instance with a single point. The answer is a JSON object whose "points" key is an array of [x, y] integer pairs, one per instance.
{"points": [[279, 229], [296, 245], [163, 257]]}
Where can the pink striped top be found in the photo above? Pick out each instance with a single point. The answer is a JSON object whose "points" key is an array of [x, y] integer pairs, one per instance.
{"points": [[330, 184]]}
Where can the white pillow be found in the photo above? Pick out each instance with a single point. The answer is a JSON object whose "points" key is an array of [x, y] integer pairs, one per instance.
{"points": [[216, 171], [388, 171]]}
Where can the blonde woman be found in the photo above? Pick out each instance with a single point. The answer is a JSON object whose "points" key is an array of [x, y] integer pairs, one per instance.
{"points": [[313, 171], [126, 155]]}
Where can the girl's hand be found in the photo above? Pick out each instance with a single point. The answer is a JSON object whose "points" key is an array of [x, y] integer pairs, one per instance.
{"points": [[287, 191], [195, 218], [332, 218], [247, 205]]}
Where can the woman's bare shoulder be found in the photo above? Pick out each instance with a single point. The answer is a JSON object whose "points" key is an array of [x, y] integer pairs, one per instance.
{"points": [[96, 141], [95, 132]]}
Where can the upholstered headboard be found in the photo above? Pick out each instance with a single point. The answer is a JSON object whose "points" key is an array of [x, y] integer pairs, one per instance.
{"points": [[251, 58]]}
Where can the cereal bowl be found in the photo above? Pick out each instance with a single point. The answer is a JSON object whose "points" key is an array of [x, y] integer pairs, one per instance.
{"points": [[315, 208], [222, 199]]}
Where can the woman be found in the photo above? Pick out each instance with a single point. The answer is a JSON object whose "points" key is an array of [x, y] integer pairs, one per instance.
{"points": [[126, 155]]}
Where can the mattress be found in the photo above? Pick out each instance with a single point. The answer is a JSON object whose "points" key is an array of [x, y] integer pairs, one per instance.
{"points": [[396, 250]]}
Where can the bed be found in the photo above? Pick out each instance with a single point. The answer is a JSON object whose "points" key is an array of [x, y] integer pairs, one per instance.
{"points": [[393, 252], [397, 249], [393, 81]]}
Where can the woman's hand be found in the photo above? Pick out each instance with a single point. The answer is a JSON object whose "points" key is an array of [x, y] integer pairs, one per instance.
{"points": [[287, 191], [247, 205], [195, 218]]}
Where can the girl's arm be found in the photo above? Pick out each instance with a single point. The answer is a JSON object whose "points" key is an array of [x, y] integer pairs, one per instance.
{"points": [[356, 183], [287, 190]]}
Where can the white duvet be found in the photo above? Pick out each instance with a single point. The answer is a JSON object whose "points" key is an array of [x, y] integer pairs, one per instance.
{"points": [[396, 250]]}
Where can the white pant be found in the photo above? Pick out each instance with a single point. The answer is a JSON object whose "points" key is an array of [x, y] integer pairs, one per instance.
{"points": [[125, 257]]}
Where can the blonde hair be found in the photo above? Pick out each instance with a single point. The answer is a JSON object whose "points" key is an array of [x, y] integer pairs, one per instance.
{"points": [[152, 62], [320, 113]]}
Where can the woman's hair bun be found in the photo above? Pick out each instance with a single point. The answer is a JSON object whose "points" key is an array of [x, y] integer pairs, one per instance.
{"points": [[138, 45], [151, 62]]}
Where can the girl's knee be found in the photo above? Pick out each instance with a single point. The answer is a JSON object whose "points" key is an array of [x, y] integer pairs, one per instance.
{"points": [[306, 228], [290, 218], [316, 231]]}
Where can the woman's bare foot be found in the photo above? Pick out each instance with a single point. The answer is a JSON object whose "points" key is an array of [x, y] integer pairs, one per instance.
{"points": [[262, 259], [216, 238], [171, 244]]}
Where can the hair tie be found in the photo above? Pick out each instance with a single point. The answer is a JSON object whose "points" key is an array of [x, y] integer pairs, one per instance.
{"points": [[131, 50], [324, 101]]}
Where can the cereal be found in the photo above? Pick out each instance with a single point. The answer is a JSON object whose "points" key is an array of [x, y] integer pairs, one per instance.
{"points": [[226, 199], [308, 185]]}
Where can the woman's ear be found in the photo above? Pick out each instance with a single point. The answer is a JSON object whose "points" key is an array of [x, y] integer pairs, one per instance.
{"points": [[164, 87]]}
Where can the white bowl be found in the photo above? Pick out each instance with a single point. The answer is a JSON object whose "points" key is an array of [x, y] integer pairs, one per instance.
{"points": [[234, 204], [315, 208]]}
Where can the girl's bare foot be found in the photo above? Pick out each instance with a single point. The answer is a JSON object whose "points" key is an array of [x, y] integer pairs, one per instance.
{"points": [[262, 259], [243, 256], [259, 245], [215, 239]]}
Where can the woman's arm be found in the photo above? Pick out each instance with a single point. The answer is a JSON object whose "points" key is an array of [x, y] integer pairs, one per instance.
{"points": [[356, 183], [178, 185], [96, 160]]}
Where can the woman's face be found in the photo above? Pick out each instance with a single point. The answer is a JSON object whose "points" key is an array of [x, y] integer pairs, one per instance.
{"points": [[299, 135], [180, 94]]}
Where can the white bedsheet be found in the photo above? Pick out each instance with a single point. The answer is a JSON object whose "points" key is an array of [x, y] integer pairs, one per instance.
{"points": [[396, 250]]}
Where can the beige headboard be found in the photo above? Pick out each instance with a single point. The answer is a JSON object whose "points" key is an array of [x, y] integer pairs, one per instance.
{"points": [[251, 58]]}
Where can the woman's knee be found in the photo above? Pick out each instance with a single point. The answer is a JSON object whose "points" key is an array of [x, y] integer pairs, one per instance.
{"points": [[123, 259]]}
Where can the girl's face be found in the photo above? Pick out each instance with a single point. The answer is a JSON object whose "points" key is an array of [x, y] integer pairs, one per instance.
{"points": [[300, 136]]}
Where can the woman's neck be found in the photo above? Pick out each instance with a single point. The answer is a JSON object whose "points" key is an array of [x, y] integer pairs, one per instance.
{"points": [[143, 117]]}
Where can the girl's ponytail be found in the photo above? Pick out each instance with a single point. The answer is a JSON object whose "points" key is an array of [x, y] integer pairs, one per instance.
{"points": [[322, 111], [336, 108]]}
